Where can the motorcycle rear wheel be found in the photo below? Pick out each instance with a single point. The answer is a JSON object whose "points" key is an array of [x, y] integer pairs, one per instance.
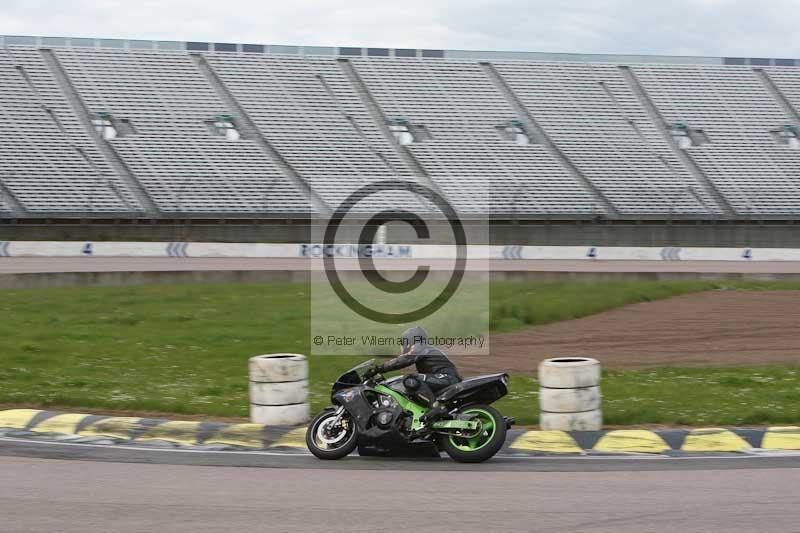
{"points": [[483, 445], [328, 443]]}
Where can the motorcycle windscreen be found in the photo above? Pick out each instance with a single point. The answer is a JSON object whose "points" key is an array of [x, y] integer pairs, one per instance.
{"points": [[354, 376]]}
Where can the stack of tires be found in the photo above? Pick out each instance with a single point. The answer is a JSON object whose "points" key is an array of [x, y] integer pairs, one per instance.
{"points": [[279, 389], [569, 397]]}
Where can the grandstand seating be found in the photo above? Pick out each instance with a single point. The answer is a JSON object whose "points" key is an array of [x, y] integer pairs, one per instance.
{"points": [[466, 156], [42, 164], [184, 167], [589, 112], [737, 113], [290, 106], [596, 135]]}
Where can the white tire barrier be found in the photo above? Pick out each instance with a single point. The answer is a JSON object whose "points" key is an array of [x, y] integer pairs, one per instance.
{"points": [[280, 415], [570, 400], [278, 368], [569, 397], [279, 389], [586, 421], [278, 393], [569, 373]]}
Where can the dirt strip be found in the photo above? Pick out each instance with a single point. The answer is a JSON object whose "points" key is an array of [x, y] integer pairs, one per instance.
{"points": [[721, 328]]}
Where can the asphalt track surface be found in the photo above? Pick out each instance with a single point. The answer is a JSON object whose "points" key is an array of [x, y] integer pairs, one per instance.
{"points": [[20, 265], [68, 487], [77, 496]]}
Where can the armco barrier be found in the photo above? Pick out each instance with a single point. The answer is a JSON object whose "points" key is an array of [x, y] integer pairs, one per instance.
{"points": [[76, 427], [390, 251]]}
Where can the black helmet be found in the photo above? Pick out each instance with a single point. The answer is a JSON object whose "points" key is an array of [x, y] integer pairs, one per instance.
{"points": [[413, 336]]}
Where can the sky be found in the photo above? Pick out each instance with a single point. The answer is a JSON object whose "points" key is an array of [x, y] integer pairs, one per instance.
{"points": [[767, 28]]}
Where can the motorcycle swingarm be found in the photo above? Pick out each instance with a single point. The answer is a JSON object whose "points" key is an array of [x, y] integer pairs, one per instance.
{"points": [[456, 424]]}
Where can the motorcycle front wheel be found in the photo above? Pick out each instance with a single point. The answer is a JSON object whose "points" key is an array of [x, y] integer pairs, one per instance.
{"points": [[482, 444], [331, 435]]}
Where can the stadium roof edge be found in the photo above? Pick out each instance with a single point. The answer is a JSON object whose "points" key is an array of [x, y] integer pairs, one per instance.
{"points": [[345, 51]]}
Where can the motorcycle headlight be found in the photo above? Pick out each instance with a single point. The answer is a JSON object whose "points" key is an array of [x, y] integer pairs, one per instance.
{"points": [[346, 395]]}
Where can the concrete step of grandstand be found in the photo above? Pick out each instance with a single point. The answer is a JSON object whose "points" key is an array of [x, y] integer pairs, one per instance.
{"points": [[120, 169], [9, 200], [776, 93]]}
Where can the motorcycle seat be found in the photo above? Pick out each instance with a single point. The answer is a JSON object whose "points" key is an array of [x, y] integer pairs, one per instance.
{"points": [[468, 383]]}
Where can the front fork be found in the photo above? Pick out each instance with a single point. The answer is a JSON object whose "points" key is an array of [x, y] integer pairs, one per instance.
{"points": [[339, 411]]}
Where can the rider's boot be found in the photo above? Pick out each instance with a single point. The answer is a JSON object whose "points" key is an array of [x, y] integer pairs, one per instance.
{"points": [[437, 411]]}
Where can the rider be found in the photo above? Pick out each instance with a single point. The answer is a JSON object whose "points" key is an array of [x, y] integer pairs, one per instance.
{"points": [[434, 370]]}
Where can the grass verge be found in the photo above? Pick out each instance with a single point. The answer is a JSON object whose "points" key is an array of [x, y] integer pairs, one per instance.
{"points": [[681, 396], [518, 305], [183, 349]]}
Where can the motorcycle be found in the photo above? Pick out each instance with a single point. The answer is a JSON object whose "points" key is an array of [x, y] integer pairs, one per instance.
{"points": [[374, 410]]}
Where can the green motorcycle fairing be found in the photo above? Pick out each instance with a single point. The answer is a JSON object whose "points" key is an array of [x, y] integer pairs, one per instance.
{"points": [[406, 403], [418, 410]]}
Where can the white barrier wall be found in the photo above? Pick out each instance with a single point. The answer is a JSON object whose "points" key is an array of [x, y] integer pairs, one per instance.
{"points": [[390, 251]]}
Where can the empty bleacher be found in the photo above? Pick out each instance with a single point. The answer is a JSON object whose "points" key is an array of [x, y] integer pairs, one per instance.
{"points": [[501, 137], [47, 159], [591, 114], [466, 156], [172, 153], [737, 113]]}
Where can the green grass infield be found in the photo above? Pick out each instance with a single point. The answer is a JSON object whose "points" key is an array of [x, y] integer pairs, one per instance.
{"points": [[183, 349]]}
